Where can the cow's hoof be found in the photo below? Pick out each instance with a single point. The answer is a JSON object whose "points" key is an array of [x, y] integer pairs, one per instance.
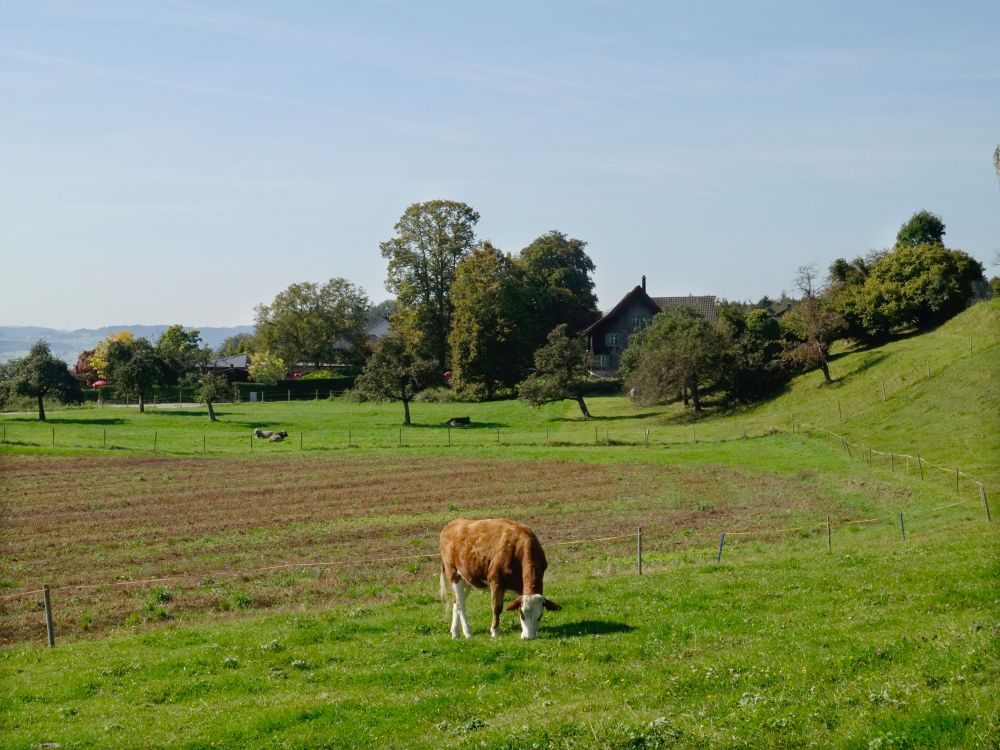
{"points": [[494, 632]]}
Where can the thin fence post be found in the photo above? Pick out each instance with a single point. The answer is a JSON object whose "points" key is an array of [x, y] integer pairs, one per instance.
{"points": [[920, 465], [607, 437], [744, 429], [317, 395], [902, 528], [883, 390], [49, 629], [251, 442], [892, 462], [694, 435], [722, 542], [154, 442], [546, 435], [928, 368], [638, 549], [646, 443], [204, 443], [180, 397], [105, 443], [348, 437], [400, 437], [958, 481], [449, 436], [986, 504], [498, 436], [596, 439], [289, 394], [53, 437], [829, 535], [300, 440], [840, 411]]}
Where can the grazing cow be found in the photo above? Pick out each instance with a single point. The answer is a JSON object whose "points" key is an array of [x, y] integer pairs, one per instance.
{"points": [[501, 554], [262, 434], [277, 437], [459, 421]]}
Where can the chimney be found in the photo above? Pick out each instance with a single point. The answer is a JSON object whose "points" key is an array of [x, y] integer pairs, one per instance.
{"points": [[644, 282]]}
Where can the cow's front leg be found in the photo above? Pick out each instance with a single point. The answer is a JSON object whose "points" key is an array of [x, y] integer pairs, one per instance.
{"points": [[461, 588], [496, 599]]}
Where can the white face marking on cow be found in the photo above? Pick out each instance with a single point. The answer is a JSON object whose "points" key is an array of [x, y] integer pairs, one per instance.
{"points": [[531, 612]]}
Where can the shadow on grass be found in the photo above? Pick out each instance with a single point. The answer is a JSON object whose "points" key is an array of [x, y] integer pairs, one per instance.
{"points": [[605, 418], [587, 627], [98, 422]]}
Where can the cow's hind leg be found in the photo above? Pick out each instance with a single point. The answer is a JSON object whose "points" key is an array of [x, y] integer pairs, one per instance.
{"points": [[496, 599], [461, 590]]}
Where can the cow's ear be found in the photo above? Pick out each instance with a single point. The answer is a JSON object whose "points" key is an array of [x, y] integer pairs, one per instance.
{"points": [[516, 604], [550, 605]]}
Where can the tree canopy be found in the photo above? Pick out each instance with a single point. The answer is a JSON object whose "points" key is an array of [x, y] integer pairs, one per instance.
{"points": [[488, 324], [313, 322], [395, 371], [134, 367], [213, 388], [267, 368], [677, 355], [431, 238], [182, 351], [559, 285], [923, 228], [561, 371], [39, 375]]}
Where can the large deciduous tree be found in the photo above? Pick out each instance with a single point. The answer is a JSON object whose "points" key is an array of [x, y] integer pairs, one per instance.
{"points": [[395, 371], [39, 375], [559, 285], [312, 322], [488, 324], [182, 351], [99, 357], [561, 371], [431, 238], [134, 367], [238, 343], [677, 355], [267, 368]]}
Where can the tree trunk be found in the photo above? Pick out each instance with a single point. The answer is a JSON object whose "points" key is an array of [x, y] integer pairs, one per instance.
{"points": [[41, 410], [825, 367], [684, 396], [695, 400], [211, 411], [142, 403], [406, 411], [583, 407]]}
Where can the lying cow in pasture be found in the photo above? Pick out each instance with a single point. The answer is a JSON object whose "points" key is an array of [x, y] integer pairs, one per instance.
{"points": [[277, 437], [262, 434], [502, 555], [459, 421]]}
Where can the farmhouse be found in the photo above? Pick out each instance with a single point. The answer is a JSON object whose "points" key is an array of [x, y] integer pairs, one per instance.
{"points": [[608, 337], [236, 368]]}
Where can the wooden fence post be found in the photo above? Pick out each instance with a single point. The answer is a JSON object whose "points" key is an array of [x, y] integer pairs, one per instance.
{"points": [[902, 528], [920, 466], [53, 437], [49, 629], [348, 437], [883, 390], [840, 411], [722, 541], [986, 504], [105, 443], [829, 535], [204, 443], [400, 437], [300, 440], [957, 482], [638, 549], [449, 436], [154, 442], [892, 462]]}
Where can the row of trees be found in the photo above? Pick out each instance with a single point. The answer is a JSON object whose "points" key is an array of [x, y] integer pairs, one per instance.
{"points": [[916, 285]]}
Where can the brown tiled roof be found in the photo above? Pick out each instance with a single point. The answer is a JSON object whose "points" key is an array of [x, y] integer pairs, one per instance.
{"points": [[705, 305]]}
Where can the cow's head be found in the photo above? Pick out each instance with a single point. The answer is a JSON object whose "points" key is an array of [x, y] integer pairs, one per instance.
{"points": [[530, 610]]}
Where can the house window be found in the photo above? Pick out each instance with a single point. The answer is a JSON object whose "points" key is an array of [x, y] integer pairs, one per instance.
{"points": [[611, 339], [600, 361], [638, 320]]}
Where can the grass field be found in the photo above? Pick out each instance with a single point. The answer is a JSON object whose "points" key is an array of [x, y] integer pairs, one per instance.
{"points": [[293, 600]]}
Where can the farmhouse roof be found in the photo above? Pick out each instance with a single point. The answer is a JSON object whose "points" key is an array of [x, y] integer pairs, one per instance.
{"points": [[704, 305], [236, 361]]}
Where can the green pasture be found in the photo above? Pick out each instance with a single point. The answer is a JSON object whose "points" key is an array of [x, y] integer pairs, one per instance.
{"points": [[863, 640], [877, 644]]}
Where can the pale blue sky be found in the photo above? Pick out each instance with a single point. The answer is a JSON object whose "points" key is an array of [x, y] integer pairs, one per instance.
{"points": [[183, 161]]}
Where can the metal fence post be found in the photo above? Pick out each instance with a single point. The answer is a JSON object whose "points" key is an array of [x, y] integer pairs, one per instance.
{"points": [[49, 629], [722, 542], [902, 528], [986, 504], [638, 549]]}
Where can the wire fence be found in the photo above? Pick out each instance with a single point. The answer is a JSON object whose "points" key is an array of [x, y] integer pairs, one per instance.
{"points": [[645, 540]]}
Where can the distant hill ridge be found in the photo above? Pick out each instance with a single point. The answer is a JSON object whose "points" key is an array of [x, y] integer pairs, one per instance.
{"points": [[15, 341]]}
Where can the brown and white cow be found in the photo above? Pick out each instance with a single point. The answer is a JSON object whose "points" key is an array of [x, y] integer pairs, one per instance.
{"points": [[502, 555]]}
